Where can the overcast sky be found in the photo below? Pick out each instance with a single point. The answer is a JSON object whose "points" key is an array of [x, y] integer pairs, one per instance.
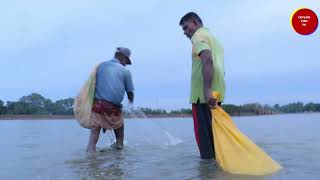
{"points": [[50, 47]]}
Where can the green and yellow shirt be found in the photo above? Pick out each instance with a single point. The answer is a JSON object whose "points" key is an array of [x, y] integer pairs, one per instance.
{"points": [[203, 40]]}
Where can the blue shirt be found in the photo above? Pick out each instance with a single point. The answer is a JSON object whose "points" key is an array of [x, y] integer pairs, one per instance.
{"points": [[112, 81]]}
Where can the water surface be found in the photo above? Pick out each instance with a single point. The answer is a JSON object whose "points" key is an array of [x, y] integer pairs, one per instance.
{"points": [[154, 149]]}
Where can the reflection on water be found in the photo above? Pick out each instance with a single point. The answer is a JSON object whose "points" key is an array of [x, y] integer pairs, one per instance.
{"points": [[208, 169], [102, 165]]}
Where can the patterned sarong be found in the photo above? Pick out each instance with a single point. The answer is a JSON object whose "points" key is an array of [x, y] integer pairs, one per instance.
{"points": [[106, 115]]}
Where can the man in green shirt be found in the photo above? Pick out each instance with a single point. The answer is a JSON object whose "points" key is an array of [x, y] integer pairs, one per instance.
{"points": [[207, 76]]}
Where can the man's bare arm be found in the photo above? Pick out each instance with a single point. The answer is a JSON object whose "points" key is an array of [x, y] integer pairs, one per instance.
{"points": [[207, 73], [130, 96]]}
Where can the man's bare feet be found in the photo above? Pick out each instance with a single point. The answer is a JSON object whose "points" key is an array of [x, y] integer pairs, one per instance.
{"points": [[118, 146]]}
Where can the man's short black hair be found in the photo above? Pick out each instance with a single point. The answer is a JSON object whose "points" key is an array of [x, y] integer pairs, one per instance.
{"points": [[189, 16]]}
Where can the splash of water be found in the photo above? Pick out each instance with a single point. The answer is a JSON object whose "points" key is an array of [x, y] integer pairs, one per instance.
{"points": [[151, 132]]}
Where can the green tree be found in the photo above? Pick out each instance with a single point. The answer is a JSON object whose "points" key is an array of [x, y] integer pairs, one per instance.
{"points": [[34, 99], [293, 108], [20, 108], [276, 108], [2, 108], [266, 109], [36, 103], [63, 106], [252, 108], [181, 111], [312, 107], [149, 111], [231, 109]]}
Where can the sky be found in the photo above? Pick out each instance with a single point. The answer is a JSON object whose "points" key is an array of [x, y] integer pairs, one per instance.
{"points": [[50, 47]]}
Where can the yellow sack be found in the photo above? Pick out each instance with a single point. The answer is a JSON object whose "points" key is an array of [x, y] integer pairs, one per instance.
{"points": [[235, 152], [83, 102]]}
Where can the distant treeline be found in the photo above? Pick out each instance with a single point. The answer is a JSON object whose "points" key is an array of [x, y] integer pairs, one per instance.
{"points": [[247, 109], [36, 104]]}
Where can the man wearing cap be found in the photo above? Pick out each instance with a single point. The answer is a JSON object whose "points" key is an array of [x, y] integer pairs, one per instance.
{"points": [[207, 76], [112, 81]]}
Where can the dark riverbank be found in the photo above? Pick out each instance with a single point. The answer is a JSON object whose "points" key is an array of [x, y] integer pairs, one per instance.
{"points": [[35, 117]]}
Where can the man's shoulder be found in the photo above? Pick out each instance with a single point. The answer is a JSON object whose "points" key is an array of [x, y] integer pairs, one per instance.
{"points": [[201, 35], [205, 33], [109, 63], [102, 63], [120, 68], [126, 71]]}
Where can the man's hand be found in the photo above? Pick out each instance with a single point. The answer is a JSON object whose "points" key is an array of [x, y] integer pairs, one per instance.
{"points": [[211, 101]]}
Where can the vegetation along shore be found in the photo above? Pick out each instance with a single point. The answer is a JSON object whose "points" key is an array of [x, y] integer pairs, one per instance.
{"points": [[35, 106]]}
